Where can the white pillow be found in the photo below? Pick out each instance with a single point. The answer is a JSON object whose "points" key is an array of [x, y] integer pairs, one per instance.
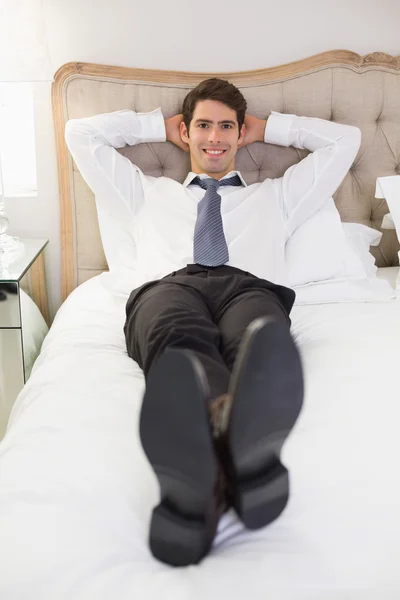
{"points": [[319, 251], [360, 238], [366, 289], [389, 188], [387, 222]]}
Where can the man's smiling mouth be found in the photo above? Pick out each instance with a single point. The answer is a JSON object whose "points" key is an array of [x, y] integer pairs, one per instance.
{"points": [[214, 152]]}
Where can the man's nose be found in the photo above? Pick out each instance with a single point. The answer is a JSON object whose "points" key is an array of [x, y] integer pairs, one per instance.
{"points": [[214, 135]]}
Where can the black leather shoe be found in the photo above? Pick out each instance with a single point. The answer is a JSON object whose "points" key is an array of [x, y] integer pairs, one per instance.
{"points": [[176, 437], [267, 394]]}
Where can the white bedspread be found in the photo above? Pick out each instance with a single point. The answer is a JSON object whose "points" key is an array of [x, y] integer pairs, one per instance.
{"points": [[76, 491], [34, 330]]}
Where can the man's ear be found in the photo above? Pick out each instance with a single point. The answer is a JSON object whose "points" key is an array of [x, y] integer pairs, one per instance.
{"points": [[184, 132], [242, 135]]}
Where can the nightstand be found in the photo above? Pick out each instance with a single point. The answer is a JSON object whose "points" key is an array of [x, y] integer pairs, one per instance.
{"points": [[18, 318]]}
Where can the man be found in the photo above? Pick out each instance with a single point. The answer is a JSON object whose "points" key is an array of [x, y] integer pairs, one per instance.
{"points": [[210, 324]]}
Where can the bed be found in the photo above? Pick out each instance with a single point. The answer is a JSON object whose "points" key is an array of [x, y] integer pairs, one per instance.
{"points": [[76, 490]]}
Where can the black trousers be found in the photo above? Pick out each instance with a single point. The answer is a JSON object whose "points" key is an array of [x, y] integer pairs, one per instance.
{"points": [[204, 309]]}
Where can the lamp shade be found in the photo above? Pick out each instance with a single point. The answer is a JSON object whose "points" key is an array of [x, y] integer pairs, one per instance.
{"points": [[24, 54]]}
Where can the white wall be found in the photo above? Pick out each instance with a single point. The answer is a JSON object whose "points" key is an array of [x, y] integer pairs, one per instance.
{"points": [[208, 35]]}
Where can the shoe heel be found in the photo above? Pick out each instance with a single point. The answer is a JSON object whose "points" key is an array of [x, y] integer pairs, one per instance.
{"points": [[261, 500], [178, 540]]}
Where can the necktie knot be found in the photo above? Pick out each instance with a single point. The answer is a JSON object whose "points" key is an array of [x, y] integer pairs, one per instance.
{"points": [[206, 183], [209, 182]]}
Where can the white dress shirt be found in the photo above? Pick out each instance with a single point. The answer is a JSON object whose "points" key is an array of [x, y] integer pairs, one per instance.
{"points": [[147, 223]]}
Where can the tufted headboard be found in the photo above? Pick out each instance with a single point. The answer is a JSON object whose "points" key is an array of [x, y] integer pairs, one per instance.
{"points": [[338, 85]]}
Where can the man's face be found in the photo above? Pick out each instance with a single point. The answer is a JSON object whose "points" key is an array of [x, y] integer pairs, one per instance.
{"points": [[213, 138]]}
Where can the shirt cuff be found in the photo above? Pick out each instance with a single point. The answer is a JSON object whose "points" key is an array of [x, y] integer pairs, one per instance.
{"points": [[278, 129], [152, 126]]}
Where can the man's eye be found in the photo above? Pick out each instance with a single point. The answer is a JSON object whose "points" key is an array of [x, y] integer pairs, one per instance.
{"points": [[227, 125], [203, 125]]}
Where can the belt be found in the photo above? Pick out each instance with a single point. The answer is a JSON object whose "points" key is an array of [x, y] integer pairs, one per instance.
{"points": [[221, 270]]}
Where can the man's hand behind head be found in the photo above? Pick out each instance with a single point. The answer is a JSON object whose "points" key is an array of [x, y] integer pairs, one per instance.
{"points": [[172, 129], [254, 130]]}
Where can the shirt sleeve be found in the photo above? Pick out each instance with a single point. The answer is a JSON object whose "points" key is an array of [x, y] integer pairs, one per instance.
{"points": [[307, 185], [115, 181]]}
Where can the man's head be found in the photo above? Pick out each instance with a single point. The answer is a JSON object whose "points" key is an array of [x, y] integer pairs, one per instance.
{"points": [[213, 117]]}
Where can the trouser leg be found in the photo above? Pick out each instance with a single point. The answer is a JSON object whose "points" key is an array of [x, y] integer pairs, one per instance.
{"points": [[168, 314], [264, 401], [237, 315]]}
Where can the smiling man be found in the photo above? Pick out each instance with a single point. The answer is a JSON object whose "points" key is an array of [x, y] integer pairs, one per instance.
{"points": [[210, 325], [214, 138]]}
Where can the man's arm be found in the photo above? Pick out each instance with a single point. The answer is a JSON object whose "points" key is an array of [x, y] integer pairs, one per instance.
{"points": [[306, 186], [92, 142], [112, 177]]}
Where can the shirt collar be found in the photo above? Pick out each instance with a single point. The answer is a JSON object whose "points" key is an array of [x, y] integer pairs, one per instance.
{"points": [[192, 175]]}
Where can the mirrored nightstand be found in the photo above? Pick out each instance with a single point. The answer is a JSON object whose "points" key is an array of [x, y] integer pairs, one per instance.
{"points": [[24, 314]]}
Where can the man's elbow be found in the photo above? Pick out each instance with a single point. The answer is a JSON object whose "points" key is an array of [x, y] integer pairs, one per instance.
{"points": [[354, 136], [70, 130], [351, 141], [77, 132], [72, 127]]}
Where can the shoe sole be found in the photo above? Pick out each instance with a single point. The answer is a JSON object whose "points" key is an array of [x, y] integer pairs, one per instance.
{"points": [[176, 437], [267, 389]]}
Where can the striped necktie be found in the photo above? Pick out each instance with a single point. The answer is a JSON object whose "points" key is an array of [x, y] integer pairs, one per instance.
{"points": [[210, 248]]}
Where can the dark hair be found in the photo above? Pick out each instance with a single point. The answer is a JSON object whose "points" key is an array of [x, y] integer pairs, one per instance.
{"points": [[215, 89]]}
